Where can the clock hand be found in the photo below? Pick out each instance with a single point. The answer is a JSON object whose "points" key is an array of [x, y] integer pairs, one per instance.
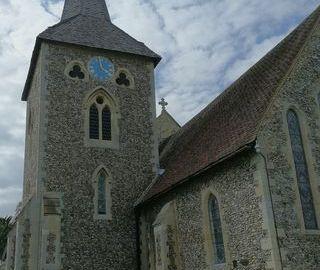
{"points": [[101, 66]]}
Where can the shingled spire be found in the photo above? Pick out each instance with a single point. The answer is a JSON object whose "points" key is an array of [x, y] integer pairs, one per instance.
{"points": [[94, 8]]}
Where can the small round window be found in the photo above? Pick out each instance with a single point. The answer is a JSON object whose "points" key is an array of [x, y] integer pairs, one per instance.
{"points": [[100, 100]]}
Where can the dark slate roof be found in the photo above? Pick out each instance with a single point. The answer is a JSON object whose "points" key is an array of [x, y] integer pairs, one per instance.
{"points": [[96, 33], [230, 123], [87, 23], [94, 8]]}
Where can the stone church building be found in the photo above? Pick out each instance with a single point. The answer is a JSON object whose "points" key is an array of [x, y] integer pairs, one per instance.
{"points": [[107, 185]]}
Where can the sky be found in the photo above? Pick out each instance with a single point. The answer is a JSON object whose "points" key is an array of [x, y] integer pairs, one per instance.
{"points": [[205, 45]]}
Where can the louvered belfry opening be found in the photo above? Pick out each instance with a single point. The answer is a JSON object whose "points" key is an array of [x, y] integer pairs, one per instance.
{"points": [[106, 124], [100, 122], [94, 122]]}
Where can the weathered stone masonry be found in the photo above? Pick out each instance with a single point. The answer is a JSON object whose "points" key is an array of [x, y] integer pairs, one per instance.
{"points": [[235, 184], [69, 165], [236, 154], [300, 249]]}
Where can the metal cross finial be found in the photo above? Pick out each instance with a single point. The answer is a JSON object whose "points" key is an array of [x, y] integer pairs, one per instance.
{"points": [[163, 104]]}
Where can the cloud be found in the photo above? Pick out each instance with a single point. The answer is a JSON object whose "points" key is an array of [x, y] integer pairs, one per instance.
{"points": [[8, 200], [205, 44]]}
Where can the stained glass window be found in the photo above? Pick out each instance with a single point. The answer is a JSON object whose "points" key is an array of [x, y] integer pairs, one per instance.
{"points": [[302, 173], [102, 203], [106, 124], [216, 229], [94, 122]]}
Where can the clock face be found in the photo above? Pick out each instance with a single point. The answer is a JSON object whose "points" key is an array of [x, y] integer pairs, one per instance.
{"points": [[101, 68]]}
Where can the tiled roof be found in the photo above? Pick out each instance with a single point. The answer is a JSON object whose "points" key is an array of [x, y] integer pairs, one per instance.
{"points": [[231, 121], [87, 23]]}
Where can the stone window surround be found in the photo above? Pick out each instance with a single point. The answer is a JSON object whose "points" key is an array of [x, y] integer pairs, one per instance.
{"points": [[164, 219], [129, 77], [94, 182], [207, 230], [115, 116], [69, 67], [310, 165]]}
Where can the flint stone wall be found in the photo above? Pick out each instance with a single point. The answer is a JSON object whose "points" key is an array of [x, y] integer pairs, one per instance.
{"points": [[235, 184], [87, 243], [299, 249]]}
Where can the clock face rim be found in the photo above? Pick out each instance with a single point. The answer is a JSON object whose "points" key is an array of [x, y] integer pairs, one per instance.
{"points": [[94, 61]]}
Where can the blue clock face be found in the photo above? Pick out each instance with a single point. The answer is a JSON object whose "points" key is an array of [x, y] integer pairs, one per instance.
{"points": [[101, 68]]}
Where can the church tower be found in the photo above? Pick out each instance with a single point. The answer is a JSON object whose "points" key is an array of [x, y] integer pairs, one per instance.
{"points": [[91, 148]]}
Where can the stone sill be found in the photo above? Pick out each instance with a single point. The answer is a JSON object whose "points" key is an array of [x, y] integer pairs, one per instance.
{"points": [[107, 217], [311, 232], [102, 144], [221, 266]]}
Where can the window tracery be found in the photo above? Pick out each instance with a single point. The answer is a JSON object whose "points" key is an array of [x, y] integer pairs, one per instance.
{"points": [[76, 71], [124, 78], [101, 120]]}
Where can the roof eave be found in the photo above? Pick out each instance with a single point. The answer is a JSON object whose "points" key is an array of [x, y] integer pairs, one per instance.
{"points": [[245, 147]]}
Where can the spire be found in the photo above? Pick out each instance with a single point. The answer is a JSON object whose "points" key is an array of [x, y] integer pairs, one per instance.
{"points": [[94, 8]]}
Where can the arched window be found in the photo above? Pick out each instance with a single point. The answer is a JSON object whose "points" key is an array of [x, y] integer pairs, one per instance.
{"points": [[102, 120], [102, 199], [302, 174], [216, 231]]}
